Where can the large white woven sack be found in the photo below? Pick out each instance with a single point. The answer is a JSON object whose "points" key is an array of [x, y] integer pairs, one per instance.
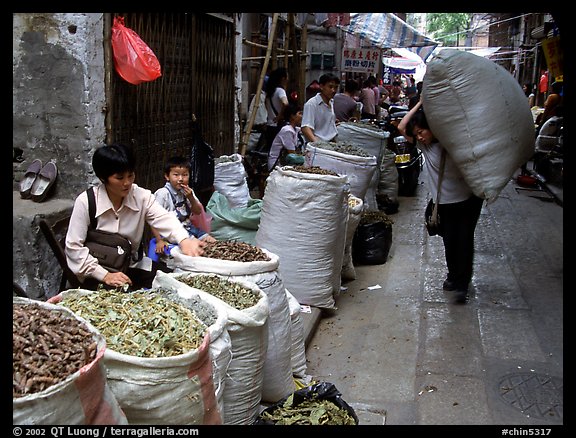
{"points": [[230, 180], [174, 390], [277, 381], [248, 329], [82, 398], [303, 221], [478, 112]]}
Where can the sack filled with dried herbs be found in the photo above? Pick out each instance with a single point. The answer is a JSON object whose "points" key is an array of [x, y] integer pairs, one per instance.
{"points": [[58, 369], [239, 260], [248, 311], [153, 344]]}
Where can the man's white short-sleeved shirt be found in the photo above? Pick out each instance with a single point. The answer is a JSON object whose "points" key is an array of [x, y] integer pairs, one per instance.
{"points": [[320, 117]]}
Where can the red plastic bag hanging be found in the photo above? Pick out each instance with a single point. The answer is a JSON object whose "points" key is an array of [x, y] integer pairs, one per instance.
{"points": [[135, 62]]}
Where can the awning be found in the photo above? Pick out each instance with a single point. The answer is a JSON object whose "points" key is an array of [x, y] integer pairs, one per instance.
{"points": [[387, 31], [407, 59], [407, 62]]}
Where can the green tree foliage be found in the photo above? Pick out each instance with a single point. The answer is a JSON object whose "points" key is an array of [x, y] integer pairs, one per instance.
{"points": [[447, 27]]}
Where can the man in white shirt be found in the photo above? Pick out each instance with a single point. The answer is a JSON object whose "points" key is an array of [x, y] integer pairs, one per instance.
{"points": [[319, 119]]}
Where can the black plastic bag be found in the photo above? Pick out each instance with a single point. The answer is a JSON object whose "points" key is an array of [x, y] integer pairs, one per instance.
{"points": [[371, 243], [318, 391], [202, 162]]}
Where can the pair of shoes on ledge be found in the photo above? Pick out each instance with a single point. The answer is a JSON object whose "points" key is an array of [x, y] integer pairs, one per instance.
{"points": [[38, 180]]}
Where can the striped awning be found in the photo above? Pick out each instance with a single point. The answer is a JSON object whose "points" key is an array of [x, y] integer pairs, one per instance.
{"points": [[387, 31]]}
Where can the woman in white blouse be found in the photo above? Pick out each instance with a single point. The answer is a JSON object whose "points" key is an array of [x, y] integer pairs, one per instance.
{"points": [[121, 207]]}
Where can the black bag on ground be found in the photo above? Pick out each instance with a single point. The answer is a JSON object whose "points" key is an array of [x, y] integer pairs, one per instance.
{"points": [[319, 391], [434, 228], [112, 250], [371, 243]]}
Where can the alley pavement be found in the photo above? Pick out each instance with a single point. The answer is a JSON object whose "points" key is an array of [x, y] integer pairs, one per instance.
{"points": [[401, 353]]}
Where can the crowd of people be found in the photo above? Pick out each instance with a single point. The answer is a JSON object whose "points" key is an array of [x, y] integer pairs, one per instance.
{"points": [[125, 208]]}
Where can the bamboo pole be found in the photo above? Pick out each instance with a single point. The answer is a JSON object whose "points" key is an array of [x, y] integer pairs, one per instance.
{"points": [[242, 146], [304, 48], [260, 58], [108, 68]]}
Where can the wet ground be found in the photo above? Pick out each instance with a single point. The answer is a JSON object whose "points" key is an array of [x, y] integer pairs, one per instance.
{"points": [[401, 353]]}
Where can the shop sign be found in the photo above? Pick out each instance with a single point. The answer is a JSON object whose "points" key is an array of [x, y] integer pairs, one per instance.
{"points": [[360, 60], [554, 55]]}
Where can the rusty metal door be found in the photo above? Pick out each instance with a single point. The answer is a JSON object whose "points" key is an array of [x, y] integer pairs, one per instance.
{"points": [[196, 54]]}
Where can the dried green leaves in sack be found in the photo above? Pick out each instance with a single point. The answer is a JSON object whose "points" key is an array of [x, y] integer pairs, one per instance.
{"points": [[320, 404], [140, 323]]}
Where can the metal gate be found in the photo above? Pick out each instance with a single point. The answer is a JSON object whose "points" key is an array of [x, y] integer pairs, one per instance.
{"points": [[196, 54]]}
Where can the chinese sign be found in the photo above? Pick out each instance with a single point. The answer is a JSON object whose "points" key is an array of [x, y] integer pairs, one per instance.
{"points": [[554, 56], [360, 60]]}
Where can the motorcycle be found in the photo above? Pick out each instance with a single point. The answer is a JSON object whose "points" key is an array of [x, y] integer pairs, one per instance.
{"points": [[549, 150], [409, 159]]}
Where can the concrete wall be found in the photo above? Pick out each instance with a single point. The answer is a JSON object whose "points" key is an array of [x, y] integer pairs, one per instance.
{"points": [[58, 114]]}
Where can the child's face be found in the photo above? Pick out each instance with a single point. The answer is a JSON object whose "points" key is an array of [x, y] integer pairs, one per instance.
{"points": [[178, 177]]}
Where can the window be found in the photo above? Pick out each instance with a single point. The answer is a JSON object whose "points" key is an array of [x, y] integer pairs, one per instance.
{"points": [[328, 61], [316, 61]]}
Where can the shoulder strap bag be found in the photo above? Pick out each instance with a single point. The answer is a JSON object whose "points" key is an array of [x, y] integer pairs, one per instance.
{"points": [[431, 214], [112, 250]]}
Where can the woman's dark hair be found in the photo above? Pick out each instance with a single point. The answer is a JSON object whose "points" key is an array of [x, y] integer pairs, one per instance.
{"points": [[556, 87], [111, 159], [290, 110], [274, 79], [418, 119], [351, 86]]}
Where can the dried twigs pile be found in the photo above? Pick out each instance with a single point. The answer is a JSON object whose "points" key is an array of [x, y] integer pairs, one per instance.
{"points": [[373, 216], [140, 324], [47, 347], [314, 169], [233, 294], [342, 148], [236, 251]]}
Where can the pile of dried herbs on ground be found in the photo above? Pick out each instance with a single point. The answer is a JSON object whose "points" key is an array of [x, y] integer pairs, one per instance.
{"points": [[373, 216], [232, 293], [235, 251], [47, 347], [311, 412], [143, 324]]}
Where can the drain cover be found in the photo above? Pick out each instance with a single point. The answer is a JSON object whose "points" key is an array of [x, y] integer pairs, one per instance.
{"points": [[536, 395]]}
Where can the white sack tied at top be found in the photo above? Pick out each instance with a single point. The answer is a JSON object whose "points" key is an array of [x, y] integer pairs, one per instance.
{"points": [[230, 180], [479, 114]]}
